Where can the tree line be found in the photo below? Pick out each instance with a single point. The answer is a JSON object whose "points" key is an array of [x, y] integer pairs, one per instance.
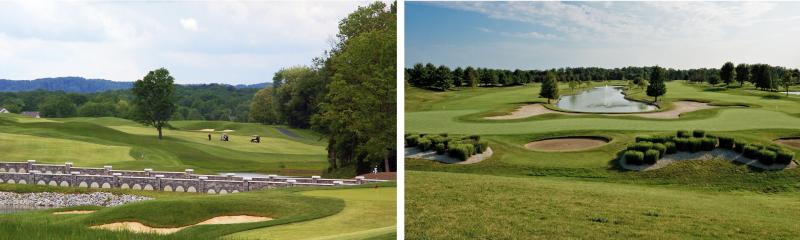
{"points": [[348, 95], [442, 78]]}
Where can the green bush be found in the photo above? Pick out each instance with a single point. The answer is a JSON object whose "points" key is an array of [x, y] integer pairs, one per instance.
{"points": [[660, 139], [699, 133], [784, 157], [481, 146], [671, 148], [683, 134], [642, 146], [440, 148], [644, 138], [695, 144], [424, 144], [411, 140], [774, 148], [708, 144], [436, 139], [726, 142], [443, 134], [767, 157], [739, 145], [661, 148], [651, 156], [460, 151], [750, 151], [682, 144], [634, 157]]}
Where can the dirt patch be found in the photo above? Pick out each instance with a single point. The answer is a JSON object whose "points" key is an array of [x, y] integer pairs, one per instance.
{"points": [[717, 153], [138, 227], [74, 212], [381, 176], [793, 142], [412, 152], [566, 144], [678, 108]]}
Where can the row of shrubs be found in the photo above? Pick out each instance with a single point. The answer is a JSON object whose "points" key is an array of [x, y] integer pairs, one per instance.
{"points": [[459, 147], [649, 149]]}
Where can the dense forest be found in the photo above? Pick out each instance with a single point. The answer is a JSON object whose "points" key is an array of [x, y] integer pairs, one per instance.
{"points": [[194, 102], [348, 95], [442, 78]]}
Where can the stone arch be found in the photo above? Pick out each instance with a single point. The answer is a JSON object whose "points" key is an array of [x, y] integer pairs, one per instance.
{"points": [[191, 189], [148, 187], [211, 191], [168, 188], [179, 189], [22, 170], [11, 181], [124, 186], [1, 180], [223, 191], [59, 172], [137, 187], [94, 185], [22, 182], [53, 183], [2, 169], [106, 185], [41, 182], [83, 184], [64, 184], [48, 172], [235, 191], [12, 170]]}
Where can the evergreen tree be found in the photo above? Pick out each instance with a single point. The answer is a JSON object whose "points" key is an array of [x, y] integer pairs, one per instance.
{"points": [[471, 77], [656, 87], [458, 77], [443, 78]]}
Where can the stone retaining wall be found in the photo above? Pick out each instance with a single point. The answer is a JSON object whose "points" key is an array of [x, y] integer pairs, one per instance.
{"points": [[68, 176]]}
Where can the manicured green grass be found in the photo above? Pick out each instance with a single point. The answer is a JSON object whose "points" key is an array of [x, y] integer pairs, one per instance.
{"points": [[450, 206], [368, 213], [106, 138]]}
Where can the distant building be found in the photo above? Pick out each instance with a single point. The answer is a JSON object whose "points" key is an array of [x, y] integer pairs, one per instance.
{"points": [[31, 114], [3, 110]]}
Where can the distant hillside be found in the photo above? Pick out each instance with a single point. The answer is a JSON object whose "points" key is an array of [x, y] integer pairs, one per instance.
{"points": [[81, 85]]}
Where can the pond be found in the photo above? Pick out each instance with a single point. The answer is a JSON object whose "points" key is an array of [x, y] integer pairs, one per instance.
{"points": [[607, 99], [19, 208]]}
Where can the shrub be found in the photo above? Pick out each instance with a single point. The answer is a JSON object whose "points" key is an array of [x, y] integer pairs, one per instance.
{"points": [[661, 148], [436, 139], [642, 146], [460, 151], [411, 140], [708, 144], [739, 145], [660, 139], [699, 133], [695, 144], [682, 144], [767, 157], [671, 148], [481, 146], [424, 144], [443, 134], [750, 151], [784, 157], [475, 137], [644, 138], [774, 148], [439, 148], [726, 142], [634, 157], [683, 134], [651, 156]]}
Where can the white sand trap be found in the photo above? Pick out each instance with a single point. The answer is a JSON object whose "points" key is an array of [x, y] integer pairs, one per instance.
{"points": [[206, 130], [413, 152], [794, 142], [227, 130], [566, 144], [74, 212], [717, 153], [678, 108], [138, 227]]}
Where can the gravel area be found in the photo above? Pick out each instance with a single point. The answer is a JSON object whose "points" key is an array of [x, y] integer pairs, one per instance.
{"points": [[67, 200]]}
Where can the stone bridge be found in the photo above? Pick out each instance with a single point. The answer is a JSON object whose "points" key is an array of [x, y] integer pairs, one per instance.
{"points": [[69, 176]]}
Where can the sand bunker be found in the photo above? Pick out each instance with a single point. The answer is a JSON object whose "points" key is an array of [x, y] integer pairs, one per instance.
{"points": [[227, 130], [74, 212], [206, 130], [793, 142], [413, 152], [566, 144], [138, 227], [678, 108], [717, 153]]}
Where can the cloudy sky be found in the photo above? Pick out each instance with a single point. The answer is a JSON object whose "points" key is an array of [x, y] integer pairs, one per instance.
{"points": [[199, 42], [541, 35]]}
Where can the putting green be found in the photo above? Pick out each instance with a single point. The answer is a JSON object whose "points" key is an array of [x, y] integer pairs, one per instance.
{"points": [[368, 213]]}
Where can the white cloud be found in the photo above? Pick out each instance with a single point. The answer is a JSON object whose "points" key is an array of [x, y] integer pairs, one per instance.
{"points": [[189, 24]]}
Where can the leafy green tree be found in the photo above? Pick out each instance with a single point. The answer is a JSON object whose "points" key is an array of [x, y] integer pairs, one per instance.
{"points": [[443, 78], [154, 99], [298, 96], [471, 77], [726, 73], [94, 109], [713, 80], [549, 88], [762, 76], [415, 74], [261, 107], [573, 84], [57, 106], [787, 80], [742, 73], [13, 105], [656, 87]]}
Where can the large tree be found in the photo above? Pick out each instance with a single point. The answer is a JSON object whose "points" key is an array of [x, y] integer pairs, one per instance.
{"points": [[471, 77], [787, 80], [742, 73], [762, 76], [549, 88], [153, 99], [656, 87], [442, 78], [262, 110], [458, 77], [726, 73], [58, 106]]}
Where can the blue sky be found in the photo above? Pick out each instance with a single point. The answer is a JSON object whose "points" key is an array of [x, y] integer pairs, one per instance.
{"points": [[199, 42], [542, 35]]}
